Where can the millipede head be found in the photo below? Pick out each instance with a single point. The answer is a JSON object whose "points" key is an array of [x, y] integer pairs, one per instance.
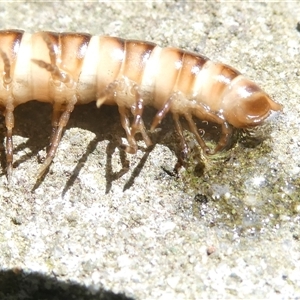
{"points": [[246, 105]]}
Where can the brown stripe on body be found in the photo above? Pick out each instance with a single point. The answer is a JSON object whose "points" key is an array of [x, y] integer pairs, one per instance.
{"points": [[73, 47], [137, 54], [228, 73], [214, 80], [63, 50], [222, 77], [9, 45], [168, 68], [191, 66], [252, 88]]}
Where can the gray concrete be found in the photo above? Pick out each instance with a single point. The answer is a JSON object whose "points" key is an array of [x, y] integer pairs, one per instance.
{"points": [[95, 225]]}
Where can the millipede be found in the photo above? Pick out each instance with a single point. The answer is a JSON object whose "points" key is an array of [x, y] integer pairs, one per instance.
{"points": [[68, 69]]}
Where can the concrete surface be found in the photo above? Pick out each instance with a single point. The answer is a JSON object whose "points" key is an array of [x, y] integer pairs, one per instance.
{"points": [[98, 229]]}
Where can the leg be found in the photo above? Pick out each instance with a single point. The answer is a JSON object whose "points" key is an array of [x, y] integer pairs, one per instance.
{"points": [[144, 134], [59, 76], [201, 113], [57, 112], [184, 146], [9, 122], [8, 113], [61, 112], [132, 148], [162, 113], [50, 47], [111, 92], [56, 73], [225, 137], [64, 118], [194, 130], [138, 124]]}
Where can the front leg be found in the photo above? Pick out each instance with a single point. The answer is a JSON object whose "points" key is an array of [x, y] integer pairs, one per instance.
{"points": [[203, 113], [178, 105]]}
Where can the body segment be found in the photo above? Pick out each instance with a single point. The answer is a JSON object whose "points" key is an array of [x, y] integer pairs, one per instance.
{"points": [[66, 69]]}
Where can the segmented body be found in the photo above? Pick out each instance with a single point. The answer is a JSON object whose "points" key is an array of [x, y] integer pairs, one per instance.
{"points": [[67, 69]]}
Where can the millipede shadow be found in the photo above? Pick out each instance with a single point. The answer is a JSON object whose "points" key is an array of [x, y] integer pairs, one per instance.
{"points": [[32, 121], [105, 124], [110, 121], [137, 170], [110, 175]]}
